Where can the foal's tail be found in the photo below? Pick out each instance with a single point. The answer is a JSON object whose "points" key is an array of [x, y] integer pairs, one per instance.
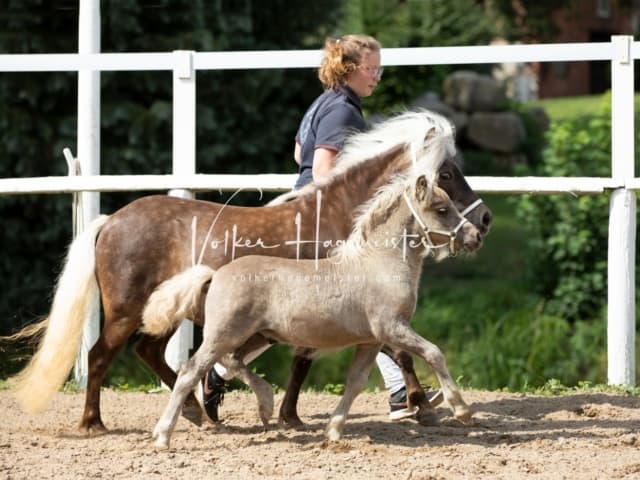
{"points": [[175, 299], [77, 288]]}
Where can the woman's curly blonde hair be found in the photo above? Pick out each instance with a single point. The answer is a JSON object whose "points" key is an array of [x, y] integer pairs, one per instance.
{"points": [[342, 56]]}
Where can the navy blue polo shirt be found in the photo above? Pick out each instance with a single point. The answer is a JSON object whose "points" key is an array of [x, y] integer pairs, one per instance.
{"points": [[330, 118]]}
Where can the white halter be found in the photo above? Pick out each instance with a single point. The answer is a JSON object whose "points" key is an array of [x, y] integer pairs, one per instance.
{"points": [[452, 234], [427, 230], [471, 207]]}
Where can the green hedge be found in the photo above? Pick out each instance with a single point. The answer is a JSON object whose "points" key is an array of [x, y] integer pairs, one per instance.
{"points": [[568, 247], [532, 305]]}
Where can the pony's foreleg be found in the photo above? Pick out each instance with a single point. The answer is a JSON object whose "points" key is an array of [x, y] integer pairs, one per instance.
{"points": [[405, 338], [299, 369], [426, 414], [262, 388], [358, 373]]}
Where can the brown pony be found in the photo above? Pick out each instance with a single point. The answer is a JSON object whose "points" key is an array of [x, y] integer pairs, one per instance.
{"points": [[125, 256]]}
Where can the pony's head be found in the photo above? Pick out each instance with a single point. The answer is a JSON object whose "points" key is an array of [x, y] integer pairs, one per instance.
{"points": [[435, 218], [430, 220]]}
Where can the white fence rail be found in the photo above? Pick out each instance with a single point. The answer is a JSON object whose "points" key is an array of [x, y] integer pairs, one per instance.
{"points": [[280, 182], [621, 52]]}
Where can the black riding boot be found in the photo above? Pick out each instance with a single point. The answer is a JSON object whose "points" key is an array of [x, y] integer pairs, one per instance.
{"points": [[213, 388]]}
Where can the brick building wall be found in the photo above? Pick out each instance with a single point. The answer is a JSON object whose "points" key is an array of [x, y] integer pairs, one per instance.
{"points": [[588, 21]]}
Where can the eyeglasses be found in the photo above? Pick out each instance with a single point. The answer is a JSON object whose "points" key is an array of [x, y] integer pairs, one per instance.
{"points": [[373, 71]]}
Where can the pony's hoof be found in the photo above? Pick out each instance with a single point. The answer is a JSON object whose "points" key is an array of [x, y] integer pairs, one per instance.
{"points": [[92, 428], [265, 422], [161, 439], [427, 417], [335, 427], [193, 413], [266, 413], [160, 446], [464, 417], [291, 422], [333, 435]]}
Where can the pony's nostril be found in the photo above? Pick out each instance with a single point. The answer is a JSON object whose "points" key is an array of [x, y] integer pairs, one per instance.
{"points": [[486, 219]]}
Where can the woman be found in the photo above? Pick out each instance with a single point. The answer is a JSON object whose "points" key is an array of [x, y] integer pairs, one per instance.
{"points": [[350, 70]]}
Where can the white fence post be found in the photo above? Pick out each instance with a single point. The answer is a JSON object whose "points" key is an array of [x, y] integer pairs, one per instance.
{"points": [[89, 157], [184, 163], [622, 221]]}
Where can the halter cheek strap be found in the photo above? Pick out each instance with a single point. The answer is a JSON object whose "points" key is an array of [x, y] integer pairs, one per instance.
{"points": [[475, 204], [427, 230]]}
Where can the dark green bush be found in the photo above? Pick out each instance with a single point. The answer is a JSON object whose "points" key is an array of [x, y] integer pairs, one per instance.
{"points": [[495, 335], [567, 249]]}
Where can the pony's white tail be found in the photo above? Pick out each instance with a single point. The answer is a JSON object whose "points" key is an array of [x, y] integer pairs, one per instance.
{"points": [[174, 300], [48, 369]]}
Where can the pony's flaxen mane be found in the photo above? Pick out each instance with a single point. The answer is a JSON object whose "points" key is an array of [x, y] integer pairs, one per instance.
{"points": [[369, 215], [409, 128], [428, 136]]}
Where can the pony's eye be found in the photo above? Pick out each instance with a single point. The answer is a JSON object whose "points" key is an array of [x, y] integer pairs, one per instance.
{"points": [[443, 210], [445, 176]]}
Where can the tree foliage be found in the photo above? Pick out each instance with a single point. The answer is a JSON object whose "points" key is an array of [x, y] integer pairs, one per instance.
{"points": [[528, 21], [415, 23], [533, 20]]}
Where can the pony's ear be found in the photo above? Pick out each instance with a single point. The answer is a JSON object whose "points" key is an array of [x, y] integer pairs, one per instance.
{"points": [[422, 188], [430, 134]]}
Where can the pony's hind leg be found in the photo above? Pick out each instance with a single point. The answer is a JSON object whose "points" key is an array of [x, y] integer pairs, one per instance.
{"points": [[299, 369], [358, 373], [112, 337], [262, 388], [214, 345], [151, 350]]}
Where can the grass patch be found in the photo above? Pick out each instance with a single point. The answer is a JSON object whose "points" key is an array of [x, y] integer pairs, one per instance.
{"points": [[567, 108], [555, 387]]}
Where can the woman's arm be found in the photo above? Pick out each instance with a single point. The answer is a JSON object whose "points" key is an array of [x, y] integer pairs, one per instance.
{"points": [[297, 156], [323, 162]]}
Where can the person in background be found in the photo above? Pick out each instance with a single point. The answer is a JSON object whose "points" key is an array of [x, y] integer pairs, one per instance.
{"points": [[350, 70]]}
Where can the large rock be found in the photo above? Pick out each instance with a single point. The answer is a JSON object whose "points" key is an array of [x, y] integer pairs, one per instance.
{"points": [[469, 91], [496, 131], [431, 101]]}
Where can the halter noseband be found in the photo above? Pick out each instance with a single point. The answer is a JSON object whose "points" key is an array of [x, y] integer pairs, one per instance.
{"points": [[428, 230]]}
